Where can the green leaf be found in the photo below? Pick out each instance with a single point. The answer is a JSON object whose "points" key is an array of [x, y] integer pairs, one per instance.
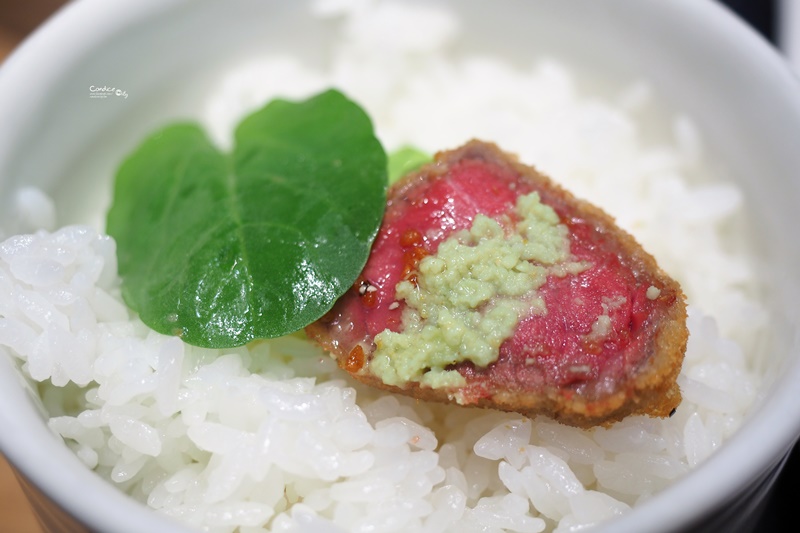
{"points": [[222, 249], [404, 160]]}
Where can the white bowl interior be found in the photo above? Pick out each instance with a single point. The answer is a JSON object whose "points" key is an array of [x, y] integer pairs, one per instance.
{"points": [[165, 54]]}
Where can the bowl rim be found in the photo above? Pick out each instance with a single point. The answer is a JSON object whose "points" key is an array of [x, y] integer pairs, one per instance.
{"points": [[81, 24]]}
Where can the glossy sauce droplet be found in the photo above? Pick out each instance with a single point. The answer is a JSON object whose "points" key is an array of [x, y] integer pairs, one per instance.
{"points": [[414, 251], [411, 238], [355, 360]]}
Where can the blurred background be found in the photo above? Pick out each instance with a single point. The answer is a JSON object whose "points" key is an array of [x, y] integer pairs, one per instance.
{"points": [[777, 20]]}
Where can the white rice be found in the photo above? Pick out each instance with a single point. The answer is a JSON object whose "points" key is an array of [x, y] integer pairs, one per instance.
{"points": [[273, 436]]}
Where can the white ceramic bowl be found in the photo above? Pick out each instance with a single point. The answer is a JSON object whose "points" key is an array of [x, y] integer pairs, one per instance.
{"points": [[700, 58]]}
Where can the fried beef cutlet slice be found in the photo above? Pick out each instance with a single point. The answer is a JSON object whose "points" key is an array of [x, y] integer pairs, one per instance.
{"points": [[609, 343]]}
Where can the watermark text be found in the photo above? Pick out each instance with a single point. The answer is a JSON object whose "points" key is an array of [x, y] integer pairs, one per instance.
{"points": [[104, 91]]}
